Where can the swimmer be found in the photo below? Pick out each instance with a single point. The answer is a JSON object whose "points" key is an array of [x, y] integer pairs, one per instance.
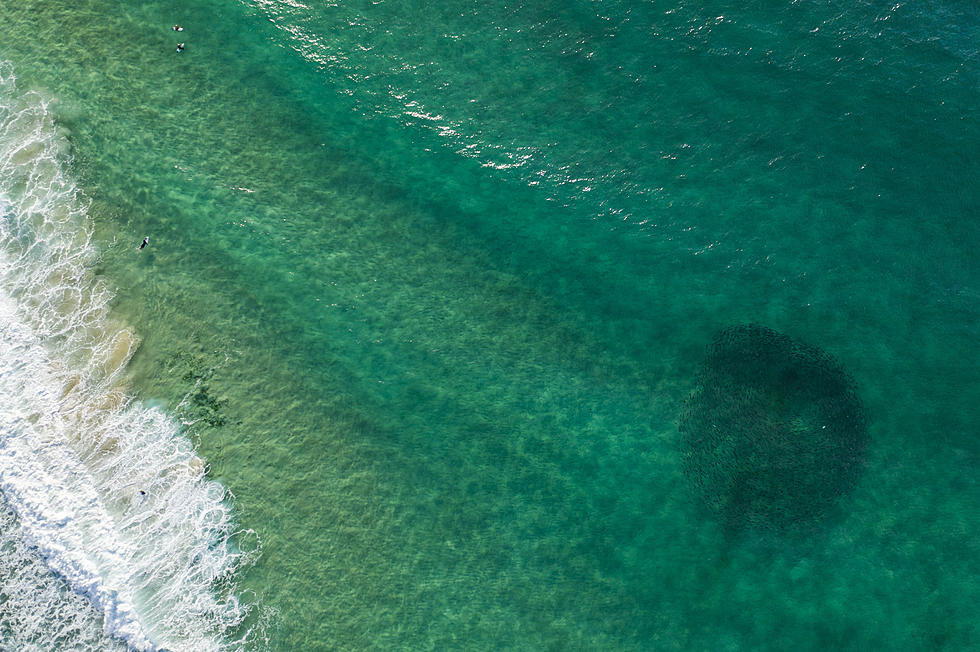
{"points": [[178, 28], [180, 47], [146, 241]]}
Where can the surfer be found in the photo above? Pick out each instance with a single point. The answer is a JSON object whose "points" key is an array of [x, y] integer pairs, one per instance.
{"points": [[180, 47], [178, 28], [145, 242]]}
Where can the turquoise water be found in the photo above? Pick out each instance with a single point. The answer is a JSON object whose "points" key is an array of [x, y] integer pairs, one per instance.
{"points": [[427, 289]]}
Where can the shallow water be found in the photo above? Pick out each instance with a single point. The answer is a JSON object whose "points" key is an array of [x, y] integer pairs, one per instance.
{"points": [[428, 297]]}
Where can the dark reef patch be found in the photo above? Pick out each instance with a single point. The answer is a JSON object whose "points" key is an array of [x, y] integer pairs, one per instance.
{"points": [[198, 404], [774, 433]]}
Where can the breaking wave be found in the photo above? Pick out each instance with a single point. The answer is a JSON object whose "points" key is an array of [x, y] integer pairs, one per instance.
{"points": [[108, 492]]}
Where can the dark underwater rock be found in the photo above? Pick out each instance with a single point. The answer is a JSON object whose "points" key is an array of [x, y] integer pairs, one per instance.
{"points": [[199, 403], [774, 433]]}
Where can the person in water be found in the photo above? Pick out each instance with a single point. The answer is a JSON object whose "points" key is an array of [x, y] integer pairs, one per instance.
{"points": [[146, 241], [180, 47]]}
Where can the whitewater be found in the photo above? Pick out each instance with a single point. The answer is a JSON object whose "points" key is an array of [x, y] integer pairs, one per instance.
{"points": [[110, 527]]}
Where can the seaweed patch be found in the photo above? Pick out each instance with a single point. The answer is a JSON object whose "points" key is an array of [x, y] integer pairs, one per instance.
{"points": [[199, 404]]}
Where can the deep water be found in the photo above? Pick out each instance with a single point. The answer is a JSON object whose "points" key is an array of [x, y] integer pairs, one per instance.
{"points": [[428, 288]]}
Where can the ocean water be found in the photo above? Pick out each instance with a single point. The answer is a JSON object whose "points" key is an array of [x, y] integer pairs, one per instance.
{"points": [[426, 293]]}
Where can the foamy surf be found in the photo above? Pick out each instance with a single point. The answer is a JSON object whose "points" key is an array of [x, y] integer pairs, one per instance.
{"points": [[108, 492]]}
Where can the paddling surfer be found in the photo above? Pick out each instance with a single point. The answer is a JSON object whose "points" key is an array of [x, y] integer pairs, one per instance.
{"points": [[145, 242]]}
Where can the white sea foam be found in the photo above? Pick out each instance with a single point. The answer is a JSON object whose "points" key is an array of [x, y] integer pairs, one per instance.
{"points": [[109, 492], [38, 610]]}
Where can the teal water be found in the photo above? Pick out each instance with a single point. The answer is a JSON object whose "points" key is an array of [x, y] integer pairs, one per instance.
{"points": [[427, 288]]}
